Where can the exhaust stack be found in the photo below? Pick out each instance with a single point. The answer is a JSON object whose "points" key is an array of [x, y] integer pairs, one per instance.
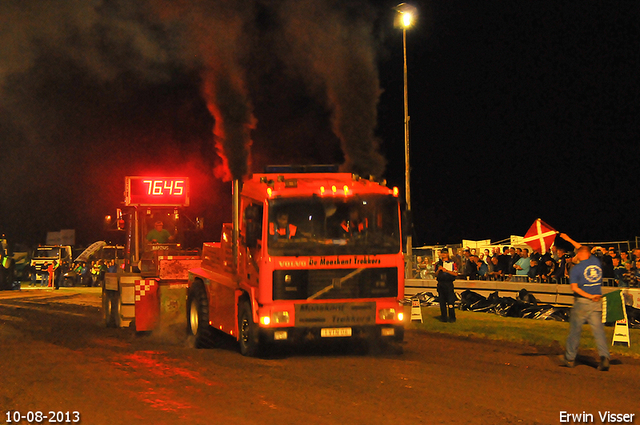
{"points": [[235, 195], [130, 241]]}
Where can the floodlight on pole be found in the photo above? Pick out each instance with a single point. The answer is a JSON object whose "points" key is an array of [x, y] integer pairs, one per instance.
{"points": [[405, 19]]}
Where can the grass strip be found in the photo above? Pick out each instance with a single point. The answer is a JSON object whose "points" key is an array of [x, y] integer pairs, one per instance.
{"points": [[526, 331]]}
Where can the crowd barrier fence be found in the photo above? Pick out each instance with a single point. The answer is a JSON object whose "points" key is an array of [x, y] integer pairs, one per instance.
{"points": [[546, 293]]}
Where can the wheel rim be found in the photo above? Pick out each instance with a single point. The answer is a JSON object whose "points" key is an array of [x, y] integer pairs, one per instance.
{"points": [[193, 318]]}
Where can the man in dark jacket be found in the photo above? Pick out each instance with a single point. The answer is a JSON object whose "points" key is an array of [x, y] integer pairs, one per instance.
{"points": [[561, 267], [446, 272]]}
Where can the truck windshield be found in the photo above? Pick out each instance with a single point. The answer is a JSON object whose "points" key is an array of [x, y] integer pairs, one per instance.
{"points": [[160, 230], [333, 226], [46, 253], [112, 253]]}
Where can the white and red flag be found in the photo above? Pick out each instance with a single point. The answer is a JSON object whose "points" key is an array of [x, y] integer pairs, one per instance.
{"points": [[540, 236]]}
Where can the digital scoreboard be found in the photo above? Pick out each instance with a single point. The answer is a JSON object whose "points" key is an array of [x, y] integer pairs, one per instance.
{"points": [[156, 191]]}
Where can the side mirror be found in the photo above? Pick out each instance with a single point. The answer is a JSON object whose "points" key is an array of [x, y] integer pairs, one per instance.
{"points": [[251, 237], [252, 225]]}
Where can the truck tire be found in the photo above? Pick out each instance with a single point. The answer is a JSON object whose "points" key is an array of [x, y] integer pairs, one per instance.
{"points": [[111, 308], [5, 278], [198, 329], [247, 331], [399, 334]]}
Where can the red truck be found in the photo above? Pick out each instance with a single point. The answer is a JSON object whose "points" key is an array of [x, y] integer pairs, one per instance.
{"points": [[310, 254]]}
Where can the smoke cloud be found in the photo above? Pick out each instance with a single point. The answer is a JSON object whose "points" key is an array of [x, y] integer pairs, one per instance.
{"points": [[333, 49], [103, 84], [215, 40]]}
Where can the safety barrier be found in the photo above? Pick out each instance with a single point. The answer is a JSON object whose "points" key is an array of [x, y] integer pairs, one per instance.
{"points": [[423, 274], [548, 293]]}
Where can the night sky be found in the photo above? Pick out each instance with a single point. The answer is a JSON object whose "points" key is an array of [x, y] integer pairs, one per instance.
{"points": [[518, 109]]}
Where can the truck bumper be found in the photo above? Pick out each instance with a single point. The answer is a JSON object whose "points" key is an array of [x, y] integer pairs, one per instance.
{"points": [[382, 332]]}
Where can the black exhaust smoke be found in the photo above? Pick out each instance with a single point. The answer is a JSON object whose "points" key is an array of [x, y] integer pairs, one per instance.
{"points": [[332, 46], [62, 62]]}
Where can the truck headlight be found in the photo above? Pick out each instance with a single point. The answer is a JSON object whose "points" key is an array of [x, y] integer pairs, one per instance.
{"points": [[400, 317], [387, 314], [280, 317]]}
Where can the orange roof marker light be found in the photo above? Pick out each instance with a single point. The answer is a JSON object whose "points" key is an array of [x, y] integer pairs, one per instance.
{"points": [[321, 190], [346, 190], [395, 191], [334, 189]]}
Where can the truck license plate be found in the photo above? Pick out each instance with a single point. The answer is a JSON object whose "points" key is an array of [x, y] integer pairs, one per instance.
{"points": [[333, 332]]}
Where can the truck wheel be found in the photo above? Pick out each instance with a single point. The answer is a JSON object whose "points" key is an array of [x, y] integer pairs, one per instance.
{"points": [[198, 328], [248, 332], [3, 277], [109, 308], [112, 306]]}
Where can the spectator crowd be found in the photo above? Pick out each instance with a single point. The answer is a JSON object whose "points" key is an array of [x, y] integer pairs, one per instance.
{"points": [[79, 273], [619, 268]]}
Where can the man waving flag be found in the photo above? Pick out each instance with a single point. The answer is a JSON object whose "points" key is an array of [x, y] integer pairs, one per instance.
{"points": [[540, 236]]}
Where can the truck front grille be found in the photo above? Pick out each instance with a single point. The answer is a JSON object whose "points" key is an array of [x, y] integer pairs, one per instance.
{"points": [[335, 283]]}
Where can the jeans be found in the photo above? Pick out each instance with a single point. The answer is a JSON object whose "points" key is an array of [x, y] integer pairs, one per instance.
{"points": [[446, 297], [586, 311]]}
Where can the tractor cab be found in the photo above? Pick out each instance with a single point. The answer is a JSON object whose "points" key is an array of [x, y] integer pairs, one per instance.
{"points": [[153, 221]]}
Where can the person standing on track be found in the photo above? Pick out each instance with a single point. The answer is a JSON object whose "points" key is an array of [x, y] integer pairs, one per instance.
{"points": [[50, 276], [586, 283], [57, 274], [446, 273]]}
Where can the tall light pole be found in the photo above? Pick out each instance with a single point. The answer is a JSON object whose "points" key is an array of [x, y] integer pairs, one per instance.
{"points": [[405, 18]]}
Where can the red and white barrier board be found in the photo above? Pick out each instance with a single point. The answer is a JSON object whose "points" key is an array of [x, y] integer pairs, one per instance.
{"points": [[147, 304]]}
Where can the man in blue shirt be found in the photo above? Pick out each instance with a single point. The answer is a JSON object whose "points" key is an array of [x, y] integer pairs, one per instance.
{"points": [[522, 266], [586, 283]]}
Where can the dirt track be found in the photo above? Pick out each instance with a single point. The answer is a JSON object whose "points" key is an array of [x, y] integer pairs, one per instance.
{"points": [[56, 356]]}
